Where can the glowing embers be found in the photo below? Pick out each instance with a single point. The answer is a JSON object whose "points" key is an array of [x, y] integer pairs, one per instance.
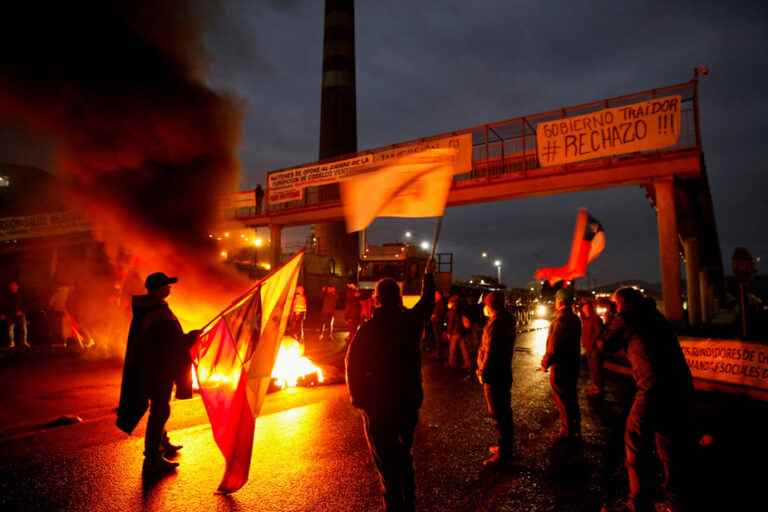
{"points": [[292, 368]]}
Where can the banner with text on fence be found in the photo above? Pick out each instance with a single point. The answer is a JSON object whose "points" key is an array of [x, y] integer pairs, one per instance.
{"points": [[288, 184], [642, 126], [729, 361], [43, 225]]}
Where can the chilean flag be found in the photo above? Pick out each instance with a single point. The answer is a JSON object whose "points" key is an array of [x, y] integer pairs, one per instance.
{"points": [[233, 359], [588, 243]]}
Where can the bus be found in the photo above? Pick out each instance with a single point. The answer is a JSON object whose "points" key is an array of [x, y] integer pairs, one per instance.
{"points": [[405, 263]]}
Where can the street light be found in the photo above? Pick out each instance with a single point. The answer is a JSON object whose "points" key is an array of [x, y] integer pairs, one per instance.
{"points": [[497, 264], [408, 234], [485, 254], [425, 245]]}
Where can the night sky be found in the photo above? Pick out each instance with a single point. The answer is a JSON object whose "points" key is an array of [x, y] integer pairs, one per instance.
{"points": [[430, 67]]}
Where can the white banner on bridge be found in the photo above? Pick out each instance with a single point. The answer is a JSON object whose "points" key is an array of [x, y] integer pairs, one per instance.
{"points": [[641, 126], [288, 184]]}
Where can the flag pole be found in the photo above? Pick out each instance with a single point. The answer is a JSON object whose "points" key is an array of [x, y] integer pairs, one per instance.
{"points": [[438, 228]]}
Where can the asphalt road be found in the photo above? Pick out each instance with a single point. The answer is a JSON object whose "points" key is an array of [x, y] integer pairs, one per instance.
{"points": [[310, 455]]}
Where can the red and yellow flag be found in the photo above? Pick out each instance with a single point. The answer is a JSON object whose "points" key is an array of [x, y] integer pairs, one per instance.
{"points": [[588, 243], [233, 360]]}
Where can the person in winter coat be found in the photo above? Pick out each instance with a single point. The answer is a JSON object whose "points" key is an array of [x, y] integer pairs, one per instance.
{"points": [[383, 366], [591, 329], [157, 355], [662, 389], [298, 314], [494, 372], [352, 310], [327, 311], [563, 358], [458, 328]]}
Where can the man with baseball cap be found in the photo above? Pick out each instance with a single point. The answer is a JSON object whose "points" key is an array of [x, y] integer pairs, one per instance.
{"points": [[155, 355]]}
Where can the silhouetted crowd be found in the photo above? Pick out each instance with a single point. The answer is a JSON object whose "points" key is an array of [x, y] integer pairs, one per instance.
{"points": [[384, 377]]}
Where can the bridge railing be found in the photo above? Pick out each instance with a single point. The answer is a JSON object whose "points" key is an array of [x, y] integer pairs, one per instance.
{"points": [[507, 149]]}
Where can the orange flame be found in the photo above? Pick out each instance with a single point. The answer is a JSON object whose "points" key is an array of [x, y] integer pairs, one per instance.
{"points": [[291, 365]]}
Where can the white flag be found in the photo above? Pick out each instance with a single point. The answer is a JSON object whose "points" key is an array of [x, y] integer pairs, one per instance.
{"points": [[412, 186]]}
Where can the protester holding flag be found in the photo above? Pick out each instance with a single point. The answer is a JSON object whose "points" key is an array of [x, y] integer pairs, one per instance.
{"points": [[383, 366], [156, 355], [564, 359]]}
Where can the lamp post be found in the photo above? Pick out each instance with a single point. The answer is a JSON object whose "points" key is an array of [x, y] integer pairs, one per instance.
{"points": [[497, 264]]}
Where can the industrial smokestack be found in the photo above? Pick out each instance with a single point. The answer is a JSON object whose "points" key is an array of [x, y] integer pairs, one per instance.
{"points": [[338, 121]]}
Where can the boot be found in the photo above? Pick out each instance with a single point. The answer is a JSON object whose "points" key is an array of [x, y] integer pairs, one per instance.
{"points": [[158, 464], [169, 449]]}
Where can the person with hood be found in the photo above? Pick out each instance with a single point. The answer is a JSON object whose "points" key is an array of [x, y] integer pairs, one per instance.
{"points": [[494, 372], [157, 355], [663, 385], [383, 367], [563, 358]]}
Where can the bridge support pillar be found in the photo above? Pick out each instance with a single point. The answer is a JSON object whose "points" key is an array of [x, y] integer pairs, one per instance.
{"points": [[692, 272], [275, 247], [669, 254]]}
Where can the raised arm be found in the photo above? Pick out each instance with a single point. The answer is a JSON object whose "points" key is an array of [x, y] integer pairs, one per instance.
{"points": [[426, 303]]}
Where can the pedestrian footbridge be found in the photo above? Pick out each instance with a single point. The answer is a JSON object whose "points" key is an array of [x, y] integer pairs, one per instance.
{"points": [[506, 163]]}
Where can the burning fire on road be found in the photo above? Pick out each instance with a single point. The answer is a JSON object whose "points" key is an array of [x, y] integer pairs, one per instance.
{"points": [[292, 368]]}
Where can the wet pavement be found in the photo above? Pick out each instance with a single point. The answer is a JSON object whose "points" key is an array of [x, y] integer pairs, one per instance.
{"points": [[310, 454]]}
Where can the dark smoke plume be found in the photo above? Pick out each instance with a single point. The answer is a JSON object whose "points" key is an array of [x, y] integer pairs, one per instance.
{"points": [[145, 146]]}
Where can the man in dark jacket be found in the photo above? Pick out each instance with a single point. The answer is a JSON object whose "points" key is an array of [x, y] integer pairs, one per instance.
{"points": [[563, 358], [494, 371], [156, 356], [384, 381], [662, 388]]}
